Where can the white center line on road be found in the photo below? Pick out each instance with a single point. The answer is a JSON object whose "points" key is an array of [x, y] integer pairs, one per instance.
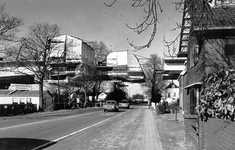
{"points": [[63, 137]]}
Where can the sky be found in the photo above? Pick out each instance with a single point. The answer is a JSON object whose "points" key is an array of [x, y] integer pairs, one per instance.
{"points": [[91, 20]]}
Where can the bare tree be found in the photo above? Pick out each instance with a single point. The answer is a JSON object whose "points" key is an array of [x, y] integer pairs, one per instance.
{"points": [[9, 26], [34, 52], [101, 51], [154, 83], [85, 80]]}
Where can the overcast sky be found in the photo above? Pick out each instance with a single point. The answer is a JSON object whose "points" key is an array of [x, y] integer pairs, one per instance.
{"points": [[93, 21]]}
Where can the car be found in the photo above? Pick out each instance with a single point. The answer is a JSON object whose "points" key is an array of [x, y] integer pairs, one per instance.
{"points": [[124, 104], [111, 105]]}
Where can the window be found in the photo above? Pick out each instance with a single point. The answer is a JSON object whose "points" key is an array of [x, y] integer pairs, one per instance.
{"points": [[15, 100], [229, 48], [230, 1], [168, 94], [29, 100], [22, 100], [196, 53]]}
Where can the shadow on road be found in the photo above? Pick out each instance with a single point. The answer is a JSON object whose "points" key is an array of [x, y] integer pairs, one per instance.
{"points": [[21, 143]]}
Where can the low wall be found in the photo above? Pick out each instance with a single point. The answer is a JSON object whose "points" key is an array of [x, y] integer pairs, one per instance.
{"points": [[217, 134], [191, 131]]}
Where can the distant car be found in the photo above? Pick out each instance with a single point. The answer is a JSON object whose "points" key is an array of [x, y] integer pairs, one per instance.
{"points": [[124, 104], [111, 105]]}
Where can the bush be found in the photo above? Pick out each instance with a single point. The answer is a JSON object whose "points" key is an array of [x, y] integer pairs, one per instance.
{"points": [[217, 97]]}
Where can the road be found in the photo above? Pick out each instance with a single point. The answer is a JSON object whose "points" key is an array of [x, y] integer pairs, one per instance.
{"points": [[74, 130]]}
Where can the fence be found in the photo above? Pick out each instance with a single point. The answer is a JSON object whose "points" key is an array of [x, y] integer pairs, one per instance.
{"points": [[16, 109]]}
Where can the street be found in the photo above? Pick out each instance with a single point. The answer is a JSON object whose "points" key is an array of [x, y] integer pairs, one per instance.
{"points": [[127, 129]]}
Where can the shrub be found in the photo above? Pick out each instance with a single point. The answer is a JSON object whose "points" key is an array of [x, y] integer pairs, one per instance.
{"points": [[217, 96]]}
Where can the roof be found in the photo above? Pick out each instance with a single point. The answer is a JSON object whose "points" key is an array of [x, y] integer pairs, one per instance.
{"points": [[4, 92], [193, 85], [171, 85], [216, 18], [224, 17], [175, 60], [19, 93]]}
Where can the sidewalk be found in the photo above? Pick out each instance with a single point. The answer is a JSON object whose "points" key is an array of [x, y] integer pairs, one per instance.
{"points": [[171, 131], [151, 136]]}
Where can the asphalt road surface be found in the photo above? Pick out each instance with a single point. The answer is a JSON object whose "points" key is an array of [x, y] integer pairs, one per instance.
{"points": [[74, 130]]}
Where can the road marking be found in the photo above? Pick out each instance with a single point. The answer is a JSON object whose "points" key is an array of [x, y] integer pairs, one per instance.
{"points": [[73, 133], [21, 125], [27, 124]]}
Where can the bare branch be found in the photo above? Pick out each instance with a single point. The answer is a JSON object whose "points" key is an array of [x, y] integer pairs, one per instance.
{"points": [[9, 25], [151, 8], [199, 15], [110, 4]]}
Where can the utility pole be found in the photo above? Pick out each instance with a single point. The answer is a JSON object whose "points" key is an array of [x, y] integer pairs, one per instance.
{"points": [[58, 82]]}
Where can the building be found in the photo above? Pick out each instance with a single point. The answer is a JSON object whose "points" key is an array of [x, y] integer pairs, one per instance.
{"points": [[173, 68], [70, 56], [208, 41], [126, 67], [25, 97], [171, 93]]}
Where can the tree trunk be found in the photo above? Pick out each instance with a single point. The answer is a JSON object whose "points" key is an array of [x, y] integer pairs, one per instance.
{"points": [[97, 92], [93, 95], [41, 100]]}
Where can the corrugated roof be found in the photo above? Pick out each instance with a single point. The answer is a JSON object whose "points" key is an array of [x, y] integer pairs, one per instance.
{"points": [[170, 85], [25, 93], [4, 92], [19, 93]]}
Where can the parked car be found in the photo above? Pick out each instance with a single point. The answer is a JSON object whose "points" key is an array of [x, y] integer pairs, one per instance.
{"points": [[111, 105], [124, 104]]}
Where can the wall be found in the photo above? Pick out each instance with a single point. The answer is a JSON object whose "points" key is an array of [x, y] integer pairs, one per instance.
{"points": [[215, 58], [118, 59], [217, 134], [48, 101], [195, 70], [88, 54], [195, 73], [181, 89], [214, 134], [8, 100], [191, 136]]}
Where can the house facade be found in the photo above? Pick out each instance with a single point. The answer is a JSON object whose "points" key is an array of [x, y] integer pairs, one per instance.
{"points": [[209, 48], [171, 93], [25, 97]]}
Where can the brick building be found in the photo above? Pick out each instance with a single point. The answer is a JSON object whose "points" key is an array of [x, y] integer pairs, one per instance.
{"points": [[210, 46]]}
